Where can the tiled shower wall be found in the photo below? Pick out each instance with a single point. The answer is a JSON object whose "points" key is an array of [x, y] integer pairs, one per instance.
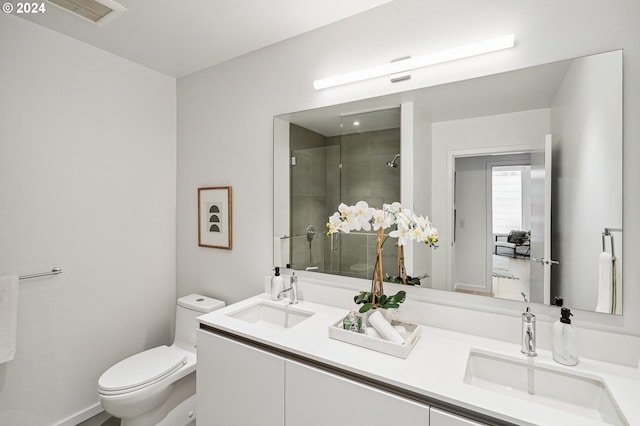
{"points": [[319, 185]]}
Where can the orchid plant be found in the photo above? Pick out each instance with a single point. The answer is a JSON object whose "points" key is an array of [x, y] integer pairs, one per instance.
{"points": [[361, 217], [408, 227]]}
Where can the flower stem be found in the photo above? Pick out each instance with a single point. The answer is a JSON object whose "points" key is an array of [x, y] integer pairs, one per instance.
{"points": [[377, 289]]}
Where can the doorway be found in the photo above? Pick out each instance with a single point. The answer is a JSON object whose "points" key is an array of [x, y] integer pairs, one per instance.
{"points": [[492, 224], [510, 204]]}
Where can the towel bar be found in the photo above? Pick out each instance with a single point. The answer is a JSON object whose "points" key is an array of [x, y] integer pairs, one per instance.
{"points": [[607, 233], [54, 271]]}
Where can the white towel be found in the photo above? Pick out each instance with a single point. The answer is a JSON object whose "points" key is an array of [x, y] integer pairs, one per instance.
{"points": [[606, 284], [370, 331], [8, 317], [281, 252], [385, 329]]}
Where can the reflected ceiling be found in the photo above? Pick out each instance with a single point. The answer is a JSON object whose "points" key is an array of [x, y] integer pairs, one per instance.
{"points": [[527, 89]]}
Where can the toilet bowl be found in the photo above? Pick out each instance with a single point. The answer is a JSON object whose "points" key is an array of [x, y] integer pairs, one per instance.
{"points": [[157, 386]]}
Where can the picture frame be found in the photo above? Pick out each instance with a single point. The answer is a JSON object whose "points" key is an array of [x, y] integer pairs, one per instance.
{"points": [[215, 217]]}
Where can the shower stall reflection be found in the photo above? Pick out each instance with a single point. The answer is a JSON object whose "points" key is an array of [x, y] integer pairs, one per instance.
{"points": [[346, 165]]}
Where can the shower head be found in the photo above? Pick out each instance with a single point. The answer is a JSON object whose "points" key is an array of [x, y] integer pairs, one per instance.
{"points": [[392, 163]]}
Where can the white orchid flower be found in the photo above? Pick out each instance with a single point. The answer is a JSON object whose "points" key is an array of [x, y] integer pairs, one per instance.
{"points": [[347, 216], [401, 234], [405, 219], [344, 210], [433, 237], [422, 222], [409, 226], [363, 214], [416, 234], [381, 220], [335, 223], [393, 208]]}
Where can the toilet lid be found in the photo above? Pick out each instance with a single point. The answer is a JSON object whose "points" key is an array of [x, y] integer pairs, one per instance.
{"points": [[142, 368]]}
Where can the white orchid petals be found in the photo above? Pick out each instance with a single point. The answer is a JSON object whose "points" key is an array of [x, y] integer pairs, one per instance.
{"points": [[409, 226]]}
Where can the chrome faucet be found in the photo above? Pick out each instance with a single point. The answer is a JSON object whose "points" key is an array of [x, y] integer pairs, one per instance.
{"points": [[293, 289], [528, 333]]}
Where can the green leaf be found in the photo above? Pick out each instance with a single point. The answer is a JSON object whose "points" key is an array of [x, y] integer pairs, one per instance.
{"points": [[399, 297], [364, 308], [363, 297], [414, 281], [383, 299], [391, 306]]}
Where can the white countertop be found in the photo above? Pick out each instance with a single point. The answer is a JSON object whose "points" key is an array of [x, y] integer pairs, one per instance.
{"points": [[436, 366]]}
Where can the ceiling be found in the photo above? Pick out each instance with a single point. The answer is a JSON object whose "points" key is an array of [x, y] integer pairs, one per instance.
{"points": [[180, 37]]}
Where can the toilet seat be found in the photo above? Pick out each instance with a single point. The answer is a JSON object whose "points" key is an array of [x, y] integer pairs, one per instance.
{"points": [[141, 370]]}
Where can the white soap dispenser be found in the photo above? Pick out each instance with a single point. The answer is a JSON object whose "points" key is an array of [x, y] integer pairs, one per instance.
{"points": [[565, 339], [276, 284]]}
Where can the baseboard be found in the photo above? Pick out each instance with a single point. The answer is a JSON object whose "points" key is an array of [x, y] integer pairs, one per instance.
{"points": [[82, 415], [471, 289]]}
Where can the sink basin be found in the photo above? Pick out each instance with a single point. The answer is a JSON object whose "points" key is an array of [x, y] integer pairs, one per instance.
{"points": [[551, 386], [271, 315]]}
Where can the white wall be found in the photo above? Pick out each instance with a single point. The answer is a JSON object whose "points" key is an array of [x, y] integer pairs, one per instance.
{"points": [[585, 113], [87, 183], [422, 254], [470, 247], [225, 112]]}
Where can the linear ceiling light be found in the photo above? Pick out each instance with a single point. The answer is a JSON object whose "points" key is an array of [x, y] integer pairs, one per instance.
{"points": [[409, 64]]}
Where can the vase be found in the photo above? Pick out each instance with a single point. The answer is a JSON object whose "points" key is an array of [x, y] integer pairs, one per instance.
{"points": [[389, 314]]}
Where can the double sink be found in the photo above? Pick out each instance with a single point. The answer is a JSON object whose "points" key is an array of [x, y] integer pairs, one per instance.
{"points": [[525, 379]]}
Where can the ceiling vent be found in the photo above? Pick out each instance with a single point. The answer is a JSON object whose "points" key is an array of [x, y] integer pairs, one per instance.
{"points": [[98, 11]]}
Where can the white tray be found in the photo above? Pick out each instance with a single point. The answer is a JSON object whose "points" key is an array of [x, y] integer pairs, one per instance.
{"points": [[390, 348]]}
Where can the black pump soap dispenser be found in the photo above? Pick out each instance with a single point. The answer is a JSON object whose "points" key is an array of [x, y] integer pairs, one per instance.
{"points": [[565, 339], [277, 285]]}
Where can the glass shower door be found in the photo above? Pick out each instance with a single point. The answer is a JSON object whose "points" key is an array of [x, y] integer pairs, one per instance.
{"points": [[315, 184]]}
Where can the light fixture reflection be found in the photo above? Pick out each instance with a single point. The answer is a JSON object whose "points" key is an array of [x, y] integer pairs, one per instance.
{"points": [[474, 49]]}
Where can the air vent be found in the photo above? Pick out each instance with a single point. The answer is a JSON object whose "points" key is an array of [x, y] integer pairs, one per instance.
{"points": [[95, 11]]}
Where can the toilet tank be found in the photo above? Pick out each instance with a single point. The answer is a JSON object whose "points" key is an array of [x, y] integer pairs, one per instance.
{"points": [[188, 308]]}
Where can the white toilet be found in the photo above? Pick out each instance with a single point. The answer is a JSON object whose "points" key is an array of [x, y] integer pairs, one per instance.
{"points": [[158, 386]]}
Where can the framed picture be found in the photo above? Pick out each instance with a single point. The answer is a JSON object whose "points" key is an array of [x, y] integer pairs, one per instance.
{"points": [[214, 217]]}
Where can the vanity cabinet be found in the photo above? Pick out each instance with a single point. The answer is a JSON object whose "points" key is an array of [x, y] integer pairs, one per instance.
{"points": [[238, 385], [317, 398], [443, 418]]}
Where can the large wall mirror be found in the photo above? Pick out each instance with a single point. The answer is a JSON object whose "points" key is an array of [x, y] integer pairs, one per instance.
{"points": [[521, 172]]}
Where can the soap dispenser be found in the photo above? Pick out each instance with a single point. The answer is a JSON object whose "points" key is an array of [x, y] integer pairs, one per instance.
{"points": [[276, 285], [565, 339]]}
